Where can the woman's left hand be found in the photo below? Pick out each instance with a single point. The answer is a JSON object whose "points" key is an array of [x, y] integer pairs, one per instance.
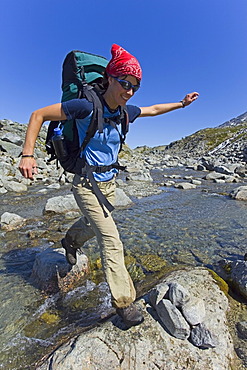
{"points": [[189, 98]]}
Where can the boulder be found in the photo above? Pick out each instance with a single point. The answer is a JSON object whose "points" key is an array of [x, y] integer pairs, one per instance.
{"points": [[11, 221], [67, 203], [149, 346]]}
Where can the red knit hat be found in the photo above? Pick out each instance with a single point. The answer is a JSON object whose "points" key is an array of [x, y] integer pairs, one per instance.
{"points": [[123, 63]]}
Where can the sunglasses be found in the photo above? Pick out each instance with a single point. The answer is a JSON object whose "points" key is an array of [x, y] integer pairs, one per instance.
{"points": [[126, 85]]}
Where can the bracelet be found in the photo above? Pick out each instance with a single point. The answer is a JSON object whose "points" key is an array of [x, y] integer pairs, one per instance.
{"points": [[183, 104], [27, 156]]}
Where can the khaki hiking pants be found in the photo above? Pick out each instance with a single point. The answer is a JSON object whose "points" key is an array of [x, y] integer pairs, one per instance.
{"points": [[96, 224]]}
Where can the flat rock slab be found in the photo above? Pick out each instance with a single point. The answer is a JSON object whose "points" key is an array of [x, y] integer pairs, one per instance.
{"points": [[149, 345]]}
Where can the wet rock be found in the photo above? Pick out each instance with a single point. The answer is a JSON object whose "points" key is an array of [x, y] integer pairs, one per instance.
{"points": [[61, 204], [169, 183], [11, 221], [185, 185], [196, 182], [51, 271], [239, 193], [54, 186], [213, 176], [234, 272]]}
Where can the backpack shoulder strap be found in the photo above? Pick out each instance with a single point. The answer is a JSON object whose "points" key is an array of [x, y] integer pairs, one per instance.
{"points": [[96, 122]]}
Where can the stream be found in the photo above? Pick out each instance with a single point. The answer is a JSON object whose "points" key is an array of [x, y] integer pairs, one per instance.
{"points": [[196, 227]]}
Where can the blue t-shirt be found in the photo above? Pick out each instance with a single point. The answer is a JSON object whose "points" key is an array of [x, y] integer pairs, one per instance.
{"points": [[103, 148]]}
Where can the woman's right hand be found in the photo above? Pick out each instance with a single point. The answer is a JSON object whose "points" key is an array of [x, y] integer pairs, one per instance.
{"points": [[28, 167]]}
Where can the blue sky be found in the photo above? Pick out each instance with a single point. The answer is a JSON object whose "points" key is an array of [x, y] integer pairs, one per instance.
{"points": [[183, 46]]}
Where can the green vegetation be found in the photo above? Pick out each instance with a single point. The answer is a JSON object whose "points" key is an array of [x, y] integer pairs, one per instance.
{"points": [[206, 139]]}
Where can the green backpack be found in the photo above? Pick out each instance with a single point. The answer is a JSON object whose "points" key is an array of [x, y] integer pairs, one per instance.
{"points": [[82, 76]]}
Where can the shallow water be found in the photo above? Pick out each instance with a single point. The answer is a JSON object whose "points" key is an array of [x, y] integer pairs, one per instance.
{"points": [[195, 227]]}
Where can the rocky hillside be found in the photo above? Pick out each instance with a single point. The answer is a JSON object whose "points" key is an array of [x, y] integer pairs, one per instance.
{"points": [[225, 144], [228, 139]]}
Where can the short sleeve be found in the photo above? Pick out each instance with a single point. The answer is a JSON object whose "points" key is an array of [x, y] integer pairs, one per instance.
{"points": [[77, 108], [133, 112]]}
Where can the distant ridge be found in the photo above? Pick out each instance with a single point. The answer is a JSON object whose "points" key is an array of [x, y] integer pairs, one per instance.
{"points": [[235, 121]]}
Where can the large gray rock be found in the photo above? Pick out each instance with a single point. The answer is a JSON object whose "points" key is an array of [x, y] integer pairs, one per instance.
{"points": [[149, 346], [10, 148], [67, 203]]}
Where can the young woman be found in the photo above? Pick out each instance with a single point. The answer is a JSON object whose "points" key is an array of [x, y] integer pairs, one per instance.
{"points": [[124, 76]]}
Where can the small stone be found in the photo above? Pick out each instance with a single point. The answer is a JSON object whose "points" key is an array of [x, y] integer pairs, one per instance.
{"points": [[158, 293], [178, 295], [201, 337], [173, 320], [11, 221], [185, 185], [194, 311]]}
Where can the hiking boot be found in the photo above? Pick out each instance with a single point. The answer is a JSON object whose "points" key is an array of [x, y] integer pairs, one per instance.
{"points": [[130, 315], [69, 251]]}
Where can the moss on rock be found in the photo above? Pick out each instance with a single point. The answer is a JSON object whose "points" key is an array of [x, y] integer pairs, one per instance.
{"points": [[220, 282]]}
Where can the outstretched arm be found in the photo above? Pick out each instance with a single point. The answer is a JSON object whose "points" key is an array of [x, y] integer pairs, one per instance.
{"points": [[53, 112], [157, 109]]}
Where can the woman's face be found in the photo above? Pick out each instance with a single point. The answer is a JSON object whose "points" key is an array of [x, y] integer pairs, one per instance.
{"points": [[119, 95]]}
